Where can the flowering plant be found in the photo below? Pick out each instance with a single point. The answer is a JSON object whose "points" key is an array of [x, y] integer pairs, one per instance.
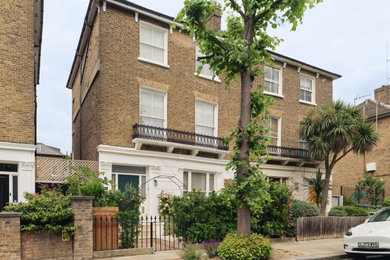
{"points": [[189, 252], [165, 205], [211, 247]]}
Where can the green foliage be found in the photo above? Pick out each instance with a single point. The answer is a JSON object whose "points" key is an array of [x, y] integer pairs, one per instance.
{"points": [[373, 186], [239, 52], [110, 198], [316, 182], [337, 213], [276, 218], [254, 246], [85, 182], [128, 215], [304, 209], [349, 201], [332, 131], [204, 218], [349, 211], [189, 252], [50, 210], [386, 202]]}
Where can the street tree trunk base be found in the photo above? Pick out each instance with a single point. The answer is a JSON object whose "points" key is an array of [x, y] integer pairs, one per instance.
{"points": [[243, 220]]}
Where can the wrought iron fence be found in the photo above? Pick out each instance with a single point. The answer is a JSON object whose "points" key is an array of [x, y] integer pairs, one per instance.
{"points": [[176, 136], [282, 151], [159, 233]]}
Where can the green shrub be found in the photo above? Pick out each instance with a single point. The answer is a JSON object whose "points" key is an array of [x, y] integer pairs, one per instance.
{"points": [[350, 211], [337, 213], [386, 202], [110, 198], [202, 218], [304, 209], [235, 247], [189, 252], [349, 201], [128, 216], [276, 219], [50, 210]]}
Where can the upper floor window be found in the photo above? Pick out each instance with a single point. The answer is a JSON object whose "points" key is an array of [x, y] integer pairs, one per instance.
{"points": [[153, 44], [274, 130], [152, 107], [302, 144], [307, 93], [205, 72], [273, 81], [205, 118], [203, 182]]}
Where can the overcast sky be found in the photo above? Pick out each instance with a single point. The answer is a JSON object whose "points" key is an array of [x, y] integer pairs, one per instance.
{"points": [[347, 37]]}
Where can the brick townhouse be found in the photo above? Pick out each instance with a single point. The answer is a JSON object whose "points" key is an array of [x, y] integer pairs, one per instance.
{"points": [[348, 171], [148, 120], [20, 49]]}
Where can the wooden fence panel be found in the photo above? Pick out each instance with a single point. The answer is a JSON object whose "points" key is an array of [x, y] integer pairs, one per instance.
{"points": [[105, 228], [325, 227]]}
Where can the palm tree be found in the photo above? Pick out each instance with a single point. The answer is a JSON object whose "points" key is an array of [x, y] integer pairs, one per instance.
{"points": [[334, 130]]}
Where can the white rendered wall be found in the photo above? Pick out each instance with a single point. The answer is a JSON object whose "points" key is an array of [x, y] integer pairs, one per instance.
{"points": [[173, 165], [24, 156]]}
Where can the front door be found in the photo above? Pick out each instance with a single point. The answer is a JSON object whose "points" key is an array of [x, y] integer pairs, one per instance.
{"points": [[124, 179], [4, 191]]}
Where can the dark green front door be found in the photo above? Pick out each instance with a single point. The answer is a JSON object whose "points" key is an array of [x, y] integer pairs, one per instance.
{"points": [[124, 179], [4, 191]]}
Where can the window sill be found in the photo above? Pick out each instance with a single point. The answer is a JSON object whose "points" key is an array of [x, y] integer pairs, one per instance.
{"points": [[273, 94], [307, 103], [216, 78], [153, 62]]}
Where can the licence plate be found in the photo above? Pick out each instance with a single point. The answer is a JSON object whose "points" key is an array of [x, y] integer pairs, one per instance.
{"points": [[368, 244]]}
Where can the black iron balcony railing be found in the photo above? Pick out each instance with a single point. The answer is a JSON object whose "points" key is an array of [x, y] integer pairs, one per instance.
{"points": [[176, 136], [281, 151]]}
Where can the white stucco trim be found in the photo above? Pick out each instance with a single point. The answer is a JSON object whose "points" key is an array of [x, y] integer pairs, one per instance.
{"points": [[24, 156], [163, 155]]}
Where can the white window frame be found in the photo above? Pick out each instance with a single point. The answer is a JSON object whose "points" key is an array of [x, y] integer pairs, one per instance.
{"points": [[189, 188], [279, 140], [215, 105], [197, 54], [313, 92], [301, 141], [280, 82], [157, 28], [158, 91]]}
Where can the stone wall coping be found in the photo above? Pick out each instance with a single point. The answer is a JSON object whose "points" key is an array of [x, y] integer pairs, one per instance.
{"points": [[10, 214], [81, 198]]}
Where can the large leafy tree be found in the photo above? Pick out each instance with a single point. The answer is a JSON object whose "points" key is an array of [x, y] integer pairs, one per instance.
{"points": [[333, 131], [239, 53]]}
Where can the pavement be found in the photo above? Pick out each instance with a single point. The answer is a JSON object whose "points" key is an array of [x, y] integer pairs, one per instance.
{"points": [[324, 249]]}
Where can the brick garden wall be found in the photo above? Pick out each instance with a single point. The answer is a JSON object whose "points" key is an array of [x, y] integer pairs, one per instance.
{"points": [[45, 245]]}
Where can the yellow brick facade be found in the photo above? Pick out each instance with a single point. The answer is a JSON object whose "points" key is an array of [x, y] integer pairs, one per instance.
{"points": [[17, 71], [111, 107]]}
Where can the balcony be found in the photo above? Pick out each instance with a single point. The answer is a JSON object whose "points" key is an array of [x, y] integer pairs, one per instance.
{"points": [[175, 139], [288, 152], [290, 156]]}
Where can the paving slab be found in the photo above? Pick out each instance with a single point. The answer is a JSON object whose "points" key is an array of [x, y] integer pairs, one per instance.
{"points": [[160, 255], [325, 249]]}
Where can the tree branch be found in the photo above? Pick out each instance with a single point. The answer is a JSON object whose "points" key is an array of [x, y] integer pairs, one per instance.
{"points": [[274, 5], [203, 57], [237, 8], [344, 154]]}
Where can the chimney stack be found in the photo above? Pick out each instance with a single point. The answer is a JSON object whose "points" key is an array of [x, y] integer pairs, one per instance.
{"points": [[382, 94]]}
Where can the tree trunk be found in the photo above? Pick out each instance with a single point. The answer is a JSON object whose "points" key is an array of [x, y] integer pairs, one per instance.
{"points": [[243, 211], [324, 199]]}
